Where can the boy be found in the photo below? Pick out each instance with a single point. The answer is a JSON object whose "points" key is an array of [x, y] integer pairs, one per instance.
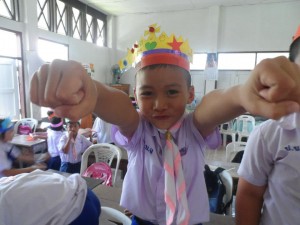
{"points": [[268, 189], [160, 132], [71, 146]]}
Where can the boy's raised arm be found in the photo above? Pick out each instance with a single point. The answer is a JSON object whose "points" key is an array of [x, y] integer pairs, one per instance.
{"points": [[271, 91], [65, 87]]}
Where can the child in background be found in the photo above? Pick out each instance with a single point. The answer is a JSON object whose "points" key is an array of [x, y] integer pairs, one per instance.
{"points": [[71, 147], [9, 152], [161, 131], [54, 134], [103, 131], [269, 184]]}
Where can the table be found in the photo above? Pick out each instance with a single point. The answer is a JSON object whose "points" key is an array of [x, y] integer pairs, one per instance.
{"points": [[91, 182], [23, 142]]}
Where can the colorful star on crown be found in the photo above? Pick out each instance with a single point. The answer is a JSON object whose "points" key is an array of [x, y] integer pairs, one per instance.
{"points": [[297, 34], [158, 48]]}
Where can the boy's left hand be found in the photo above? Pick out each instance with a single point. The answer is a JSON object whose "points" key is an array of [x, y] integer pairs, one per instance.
{"points": [[273, 89]]}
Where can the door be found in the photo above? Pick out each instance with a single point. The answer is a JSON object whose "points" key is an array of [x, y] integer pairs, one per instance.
{"points": [[9, 89]]}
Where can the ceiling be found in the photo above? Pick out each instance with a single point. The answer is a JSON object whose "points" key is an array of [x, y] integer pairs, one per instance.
{"points": [[123, 7]]}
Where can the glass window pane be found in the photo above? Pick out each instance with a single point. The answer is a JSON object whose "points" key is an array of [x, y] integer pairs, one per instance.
{"points": [[48, 50], [61, 20], [8, 46], [199, 61], [100, 33], [236, 61], [43, 14], [265, 55], [6, 8], [89, 28], [76, 23]]}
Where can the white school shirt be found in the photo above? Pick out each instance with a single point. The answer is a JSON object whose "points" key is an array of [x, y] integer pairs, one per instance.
{"points": [[103, 130], [143, 186], [5, 162], [53, 138], [41, 197], [80, 144], [272, 158]]}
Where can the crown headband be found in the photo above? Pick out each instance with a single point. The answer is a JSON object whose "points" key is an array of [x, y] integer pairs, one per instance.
{"points": [[297, 34], [158, 48]]}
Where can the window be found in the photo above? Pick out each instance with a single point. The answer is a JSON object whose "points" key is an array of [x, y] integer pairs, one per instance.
{"points": [[11, 97], [236, 61], [264, 55], [72, 18], [43, 12], [48, 51], [9, 9], [199, 61]]}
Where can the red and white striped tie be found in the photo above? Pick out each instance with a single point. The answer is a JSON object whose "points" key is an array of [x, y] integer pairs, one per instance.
{"points": [[175, 189]]}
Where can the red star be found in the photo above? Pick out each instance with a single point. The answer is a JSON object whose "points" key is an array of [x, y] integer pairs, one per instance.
{"points": [[175, 44]]}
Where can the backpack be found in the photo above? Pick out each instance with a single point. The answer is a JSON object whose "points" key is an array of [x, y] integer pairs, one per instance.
{"points": [[99, 170], [216, 190]]}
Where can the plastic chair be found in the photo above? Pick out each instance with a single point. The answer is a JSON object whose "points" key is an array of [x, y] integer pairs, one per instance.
{"points": [[115, 214], [227, 129], [228, 182], [33, 123], [103, 152], [233, 148], [244, 125]]}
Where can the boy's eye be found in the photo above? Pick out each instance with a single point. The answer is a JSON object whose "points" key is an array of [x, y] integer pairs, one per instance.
{"points": [[172, 92], [146, 93]]}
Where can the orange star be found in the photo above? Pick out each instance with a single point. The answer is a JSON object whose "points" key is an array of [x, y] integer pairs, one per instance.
{"points": [[175, 44]]}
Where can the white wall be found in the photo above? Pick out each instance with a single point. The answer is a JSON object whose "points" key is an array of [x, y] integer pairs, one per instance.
{"points": [[264, 27]]}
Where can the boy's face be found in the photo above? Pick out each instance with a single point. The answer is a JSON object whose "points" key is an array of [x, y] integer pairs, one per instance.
{"points": [[73, 127], [162, 95]]}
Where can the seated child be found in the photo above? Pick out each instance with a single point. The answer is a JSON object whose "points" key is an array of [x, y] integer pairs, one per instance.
{"points": [[43, 197], [9, 152]]}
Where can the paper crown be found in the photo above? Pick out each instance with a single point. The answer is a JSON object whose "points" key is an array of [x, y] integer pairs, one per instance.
{"points": [[297, 34], [158, 48]]}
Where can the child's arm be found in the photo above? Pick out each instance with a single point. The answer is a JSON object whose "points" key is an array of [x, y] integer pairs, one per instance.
{"points": [[66, 87], [249, 201], [16, 171], [271, 91]]}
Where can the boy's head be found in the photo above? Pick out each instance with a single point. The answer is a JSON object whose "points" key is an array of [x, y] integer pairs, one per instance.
{"points": [[73, 125], [6, 129], [294, 55]]}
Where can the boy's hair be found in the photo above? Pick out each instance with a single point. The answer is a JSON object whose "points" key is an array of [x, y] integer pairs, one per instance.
{"points": [[294, 50], [185, 73], [5, 125]]}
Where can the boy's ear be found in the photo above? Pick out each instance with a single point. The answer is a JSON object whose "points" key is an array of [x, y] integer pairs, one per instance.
{"points": [[191, 93]]}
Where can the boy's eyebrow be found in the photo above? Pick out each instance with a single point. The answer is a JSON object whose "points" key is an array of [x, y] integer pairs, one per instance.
{"points": [[172, 85]]}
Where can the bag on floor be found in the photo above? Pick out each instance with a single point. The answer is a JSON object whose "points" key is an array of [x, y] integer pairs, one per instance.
{"points": [[216, 189]]}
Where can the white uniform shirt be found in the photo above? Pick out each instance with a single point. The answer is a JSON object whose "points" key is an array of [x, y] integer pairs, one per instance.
{"points": [[103, 130], [272, 158], [41, 197], [143, 187], [80, 144], [5, 162], [53, 138]]}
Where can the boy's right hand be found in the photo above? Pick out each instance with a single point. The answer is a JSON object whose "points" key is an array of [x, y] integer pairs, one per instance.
{"points": [[65, 87]]}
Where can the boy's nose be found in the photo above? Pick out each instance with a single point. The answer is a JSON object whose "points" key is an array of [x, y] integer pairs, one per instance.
{"points": [[160, 103]]}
